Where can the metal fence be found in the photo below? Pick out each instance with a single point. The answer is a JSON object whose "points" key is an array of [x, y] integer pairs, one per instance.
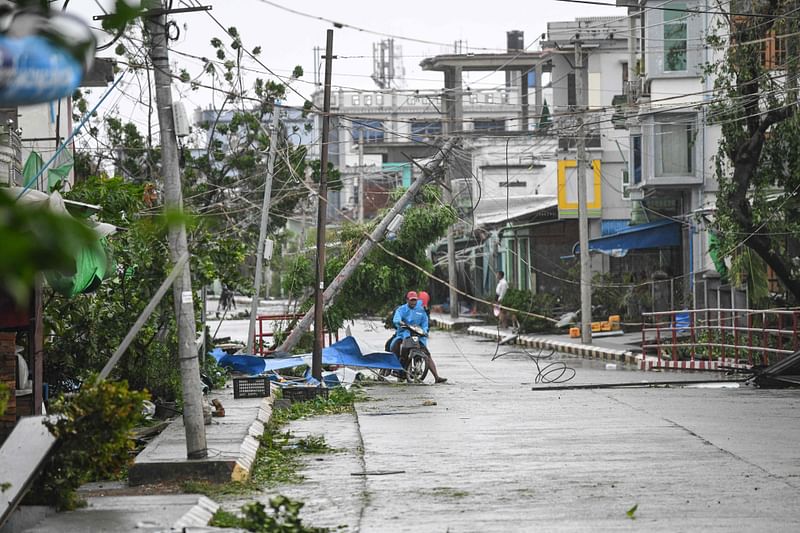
{"points": [[719, 337], [267, 325]]}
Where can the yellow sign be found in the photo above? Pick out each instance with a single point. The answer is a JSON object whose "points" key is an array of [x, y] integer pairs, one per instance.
{"points": [[568, 190]]}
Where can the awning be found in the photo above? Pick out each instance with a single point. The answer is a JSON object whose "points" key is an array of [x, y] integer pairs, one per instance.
{"points": [[659, 234], [495, 211]]}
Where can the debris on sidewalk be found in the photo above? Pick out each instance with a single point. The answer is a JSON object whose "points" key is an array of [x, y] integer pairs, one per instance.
{"points": [[785, 373]]}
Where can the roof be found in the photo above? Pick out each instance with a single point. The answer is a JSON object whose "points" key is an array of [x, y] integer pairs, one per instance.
{"points": [[493, 211], [484, 62]]}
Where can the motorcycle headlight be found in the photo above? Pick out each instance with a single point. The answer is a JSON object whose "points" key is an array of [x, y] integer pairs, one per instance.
{"points": [[415, 338]]}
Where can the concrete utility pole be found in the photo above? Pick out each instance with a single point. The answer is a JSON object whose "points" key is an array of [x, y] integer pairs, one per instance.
{"points": [[173, 200], [262, 232], [361, 194], [583, 215], [632, 70], [375, 237], [453, 124], [322, 208]]}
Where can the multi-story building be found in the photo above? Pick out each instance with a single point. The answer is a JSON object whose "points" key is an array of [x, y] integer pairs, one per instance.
{"points": [[374, 133], [602, 44], [672, 144]]}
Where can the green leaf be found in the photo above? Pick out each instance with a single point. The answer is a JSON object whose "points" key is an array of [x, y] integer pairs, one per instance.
{"points": [[122, 14], [632, 512]]}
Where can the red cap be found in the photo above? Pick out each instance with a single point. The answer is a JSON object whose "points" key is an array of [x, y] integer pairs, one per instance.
{"points": [[425, 298], [411, 295]]}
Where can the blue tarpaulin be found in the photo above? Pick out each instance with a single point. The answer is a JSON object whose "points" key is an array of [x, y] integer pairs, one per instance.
{"points": [[659, 234], [346, 352]]}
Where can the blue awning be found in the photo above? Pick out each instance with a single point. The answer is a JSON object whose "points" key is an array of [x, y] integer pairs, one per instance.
{"points": [[659, 234]]}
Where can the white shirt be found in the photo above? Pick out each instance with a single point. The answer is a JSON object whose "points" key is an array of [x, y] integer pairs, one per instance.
{"points": [[502, 287]]}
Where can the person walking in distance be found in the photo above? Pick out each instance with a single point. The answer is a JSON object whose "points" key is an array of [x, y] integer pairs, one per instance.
{"points": [[500, 292]]}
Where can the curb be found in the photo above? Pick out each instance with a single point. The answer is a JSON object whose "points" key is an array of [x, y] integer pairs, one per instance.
{"points": [[249, 449], [593, 352], [198, 516], [454, 323]]}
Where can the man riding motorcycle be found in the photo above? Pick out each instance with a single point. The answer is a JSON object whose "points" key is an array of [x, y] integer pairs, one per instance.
{"points": [[413, 313]]}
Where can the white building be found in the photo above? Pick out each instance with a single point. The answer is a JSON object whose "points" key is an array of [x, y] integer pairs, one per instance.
{"points": [[672, 144]]}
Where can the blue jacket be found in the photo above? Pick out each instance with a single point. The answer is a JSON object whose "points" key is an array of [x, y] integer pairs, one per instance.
{"points": [[412, 317]]}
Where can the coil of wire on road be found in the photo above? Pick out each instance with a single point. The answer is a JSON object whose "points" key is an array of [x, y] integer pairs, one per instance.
{"points": [[546, 372]]}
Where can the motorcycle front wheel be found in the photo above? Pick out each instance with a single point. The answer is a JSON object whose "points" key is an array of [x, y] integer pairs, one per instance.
{"points": [[417, 366]]}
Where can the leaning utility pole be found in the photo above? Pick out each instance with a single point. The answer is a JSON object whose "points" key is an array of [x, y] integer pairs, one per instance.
{"points": [[322, 208], [583, 215], [262, 232], [173, 200], [375, 237]]}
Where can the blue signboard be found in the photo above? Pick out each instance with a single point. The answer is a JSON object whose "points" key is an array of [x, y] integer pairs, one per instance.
{"points": [[34, 70]]}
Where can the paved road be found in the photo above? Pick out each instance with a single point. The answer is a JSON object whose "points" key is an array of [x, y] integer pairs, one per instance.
{"points": [[486, 453]]}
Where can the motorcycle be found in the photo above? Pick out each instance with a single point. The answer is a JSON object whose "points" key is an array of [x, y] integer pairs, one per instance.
{"points": [[412, 356]]}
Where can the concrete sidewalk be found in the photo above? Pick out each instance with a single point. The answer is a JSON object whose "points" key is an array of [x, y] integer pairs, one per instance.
{"points": [[232, 443], [122, 514], [613, 348]]}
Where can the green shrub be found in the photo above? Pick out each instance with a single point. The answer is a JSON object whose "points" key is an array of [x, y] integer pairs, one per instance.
{"points": [[3, 398], [539, 304], [282, 517], [93, 431]]}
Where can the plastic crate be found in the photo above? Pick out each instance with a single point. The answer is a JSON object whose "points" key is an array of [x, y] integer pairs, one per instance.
{"points": [[257, 387], [302, 394]]}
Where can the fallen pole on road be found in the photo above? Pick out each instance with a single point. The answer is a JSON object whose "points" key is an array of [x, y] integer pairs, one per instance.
{"points": [[377, 235], [642, 384]]}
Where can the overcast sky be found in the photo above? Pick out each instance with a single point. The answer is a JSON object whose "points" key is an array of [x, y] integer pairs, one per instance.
{"points": [[288, 39]]}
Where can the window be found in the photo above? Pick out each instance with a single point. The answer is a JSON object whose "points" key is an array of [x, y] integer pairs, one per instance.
{"points": [[572, 99], [373, 130], [473, 98], [625, 76], [773, 46], [333, 100], [674, 146], [626, 184], [367, 99], [420, 130], [675, 37], [378, 99], [489, 125], [356, 99], [524, 266], [636, 158], [489, 98]]}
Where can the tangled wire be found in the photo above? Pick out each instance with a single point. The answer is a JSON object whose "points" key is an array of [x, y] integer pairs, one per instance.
{"points": [[546, 372]]}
